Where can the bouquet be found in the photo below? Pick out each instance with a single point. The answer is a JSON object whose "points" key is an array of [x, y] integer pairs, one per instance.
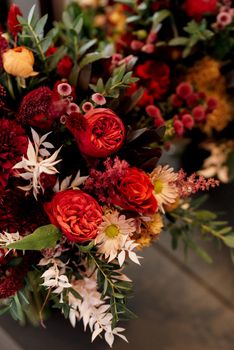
{"points": [[82, 187]]}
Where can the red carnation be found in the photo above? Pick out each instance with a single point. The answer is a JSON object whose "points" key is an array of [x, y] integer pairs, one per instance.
{"points": [[12, 21], [64, 67], [99, 133], [198, 8], [13, 145], [39, 108], [76, 213], [135, 192]]}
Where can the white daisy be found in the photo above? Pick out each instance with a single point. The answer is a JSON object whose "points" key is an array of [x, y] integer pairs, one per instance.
{"points": [[113, 234], [165, 190]]}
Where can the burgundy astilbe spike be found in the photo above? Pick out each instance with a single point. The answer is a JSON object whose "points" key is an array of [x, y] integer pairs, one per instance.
{"points": [[12, 20], [193, 183]]}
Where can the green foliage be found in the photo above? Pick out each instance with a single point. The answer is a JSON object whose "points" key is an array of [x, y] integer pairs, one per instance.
{"points": [[188, 221], [33, 33], [197, 32], [43, 237], [120, 79], [111, 286]]}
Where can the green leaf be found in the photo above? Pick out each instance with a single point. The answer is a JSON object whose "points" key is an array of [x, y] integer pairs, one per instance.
{"points": [[39, 29], [67, 20], [86, 248], [4, 310], [41, 238], [205, 215], [179, 41], [229, 240], [158, 17], [31, 14], [92, 57], [84, 48], [75, 293]]}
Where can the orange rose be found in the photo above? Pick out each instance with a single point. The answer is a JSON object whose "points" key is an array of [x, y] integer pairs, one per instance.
{"points": [[19, 62], [76, 213], [135, 193]]}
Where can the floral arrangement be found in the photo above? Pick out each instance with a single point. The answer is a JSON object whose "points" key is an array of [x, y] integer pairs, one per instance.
{"points": [[82, 187]]}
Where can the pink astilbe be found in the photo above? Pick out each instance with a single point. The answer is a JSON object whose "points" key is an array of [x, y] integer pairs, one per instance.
{"points": [[101, 183], [193, 183]]}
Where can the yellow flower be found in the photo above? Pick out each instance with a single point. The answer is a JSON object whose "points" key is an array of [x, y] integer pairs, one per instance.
{"points": [[150, 232], [206, 76], [19, 62]]}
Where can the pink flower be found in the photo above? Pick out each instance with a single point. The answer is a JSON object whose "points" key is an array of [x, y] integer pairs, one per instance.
{"points": [[73, 108], [136, 45], [184, 90], [224, 19], [64, 89], [176, 101], [212, 103], [179, 127], [188, 121], [87, 106], [199, 113], [148, 48], [153, 111], [99, 99], [192, 100]]}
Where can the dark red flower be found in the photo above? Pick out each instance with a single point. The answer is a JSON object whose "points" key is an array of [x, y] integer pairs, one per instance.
{"points": [[18, 213], [12, 21], [76, 213], [12, 279], [64, 67], [153, 70], [13, 145], [135, 193], [51, 50], [39, 108], [199, 8]]}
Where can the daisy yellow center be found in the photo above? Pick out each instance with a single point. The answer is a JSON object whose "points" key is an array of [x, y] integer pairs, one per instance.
{"points": [[158, 186], [112, 231]]}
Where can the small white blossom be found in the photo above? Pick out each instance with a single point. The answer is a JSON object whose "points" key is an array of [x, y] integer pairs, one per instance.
{"points": [[93, 310], [8, 238], [68, 182], [38, 161], [54, 277]]}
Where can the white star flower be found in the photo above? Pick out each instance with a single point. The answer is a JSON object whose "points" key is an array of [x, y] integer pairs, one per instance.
{"points": [[38, 161]]}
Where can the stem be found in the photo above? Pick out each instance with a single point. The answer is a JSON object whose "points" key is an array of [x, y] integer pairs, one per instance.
{"points": [[37, 42], [112, 285], [43, 306]]}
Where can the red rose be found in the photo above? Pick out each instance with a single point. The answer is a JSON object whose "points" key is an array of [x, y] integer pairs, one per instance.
{"points": [[198, 8], [135, 193], [76, 213], [64, 67], [101, 133], [12, 21]]}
